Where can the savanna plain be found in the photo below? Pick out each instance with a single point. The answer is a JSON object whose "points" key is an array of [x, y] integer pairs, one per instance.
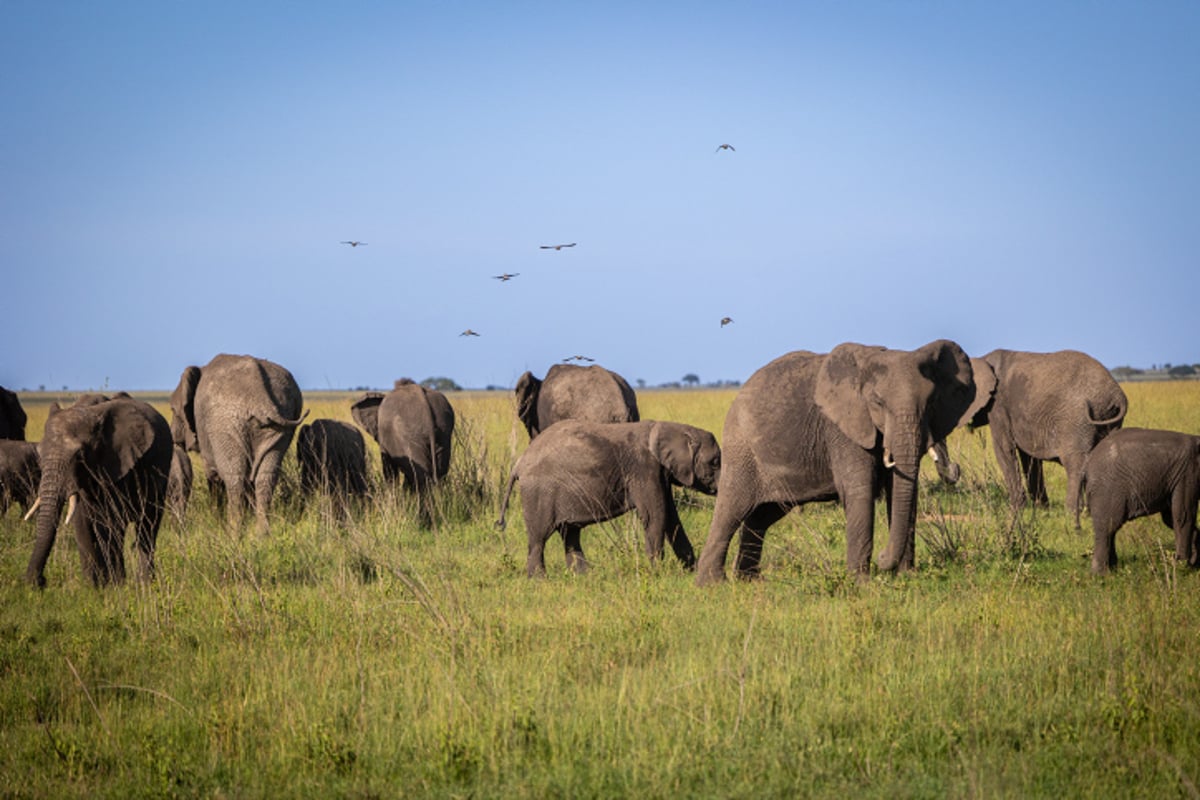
{"points": [[360, 655]]}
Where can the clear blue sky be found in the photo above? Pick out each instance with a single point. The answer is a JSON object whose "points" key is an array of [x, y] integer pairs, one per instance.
{"points": [[177, 176]]}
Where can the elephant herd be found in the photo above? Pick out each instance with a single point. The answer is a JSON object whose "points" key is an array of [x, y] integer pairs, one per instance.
{"points": [[850, 425]]}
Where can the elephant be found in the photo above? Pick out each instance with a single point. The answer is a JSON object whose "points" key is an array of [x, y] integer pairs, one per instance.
{"points": [[179, 482], [579, 472], [12, 416], [413, 426], [20, 473], [333, 459], [841, 426], [109, 461], [239, 413], [1044, 407], [570, 391], [1135, 472]]}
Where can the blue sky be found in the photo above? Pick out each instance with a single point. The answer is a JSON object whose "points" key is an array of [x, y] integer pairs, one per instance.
{"points": [[178, 176]]}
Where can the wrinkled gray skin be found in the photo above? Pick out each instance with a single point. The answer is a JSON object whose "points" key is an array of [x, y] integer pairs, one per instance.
{"points": [[20, 473], [333, 459], [842, 426], [578, 472], [12, 416], [114, 456], [414, 427], [1044, 407], [239, 413], [1136, 472], [179, 482], [570, 391]]}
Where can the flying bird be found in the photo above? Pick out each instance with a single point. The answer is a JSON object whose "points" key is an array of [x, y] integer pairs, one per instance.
{"points": [[508, 276], [468, 332], [578, 358], [725, 147], [725, 321], [555, 246], [354, 244]]}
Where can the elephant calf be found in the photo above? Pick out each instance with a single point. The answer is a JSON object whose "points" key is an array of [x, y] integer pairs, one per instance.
{"points": [[20, 473], [577, 472], [333, 459], [1135, 472]]}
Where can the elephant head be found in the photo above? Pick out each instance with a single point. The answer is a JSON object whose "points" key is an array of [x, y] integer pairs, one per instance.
{"points": [[366, 412], [183, 410], [900, 402], [12, 416], [690, 456], [527, 391]]}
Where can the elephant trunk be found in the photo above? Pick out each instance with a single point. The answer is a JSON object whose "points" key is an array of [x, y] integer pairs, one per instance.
{"points": [[48, 507], [904, 453]]}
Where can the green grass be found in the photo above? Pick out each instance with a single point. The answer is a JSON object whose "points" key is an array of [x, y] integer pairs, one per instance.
{"points": [[372, 658]]}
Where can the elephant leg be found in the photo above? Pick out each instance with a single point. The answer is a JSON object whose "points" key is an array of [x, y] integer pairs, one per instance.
{"points": [[576, 560], [677, 536], [537, 533], [1183, 513], [754, 529], [89, 551], [1006, 456], [1035, 479], [1104, 551], [216, 490], [728, 517], [1074, 463], [235, 499], [858, 503], [146, 532], [391, 472], [265, 479], [110, 555]]}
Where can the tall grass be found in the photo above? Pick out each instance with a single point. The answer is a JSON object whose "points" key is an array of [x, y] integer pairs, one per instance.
{"points": [[366, 655]]}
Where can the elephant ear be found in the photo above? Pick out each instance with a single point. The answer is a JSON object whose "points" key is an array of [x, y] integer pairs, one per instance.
{"points": [[985, 390], [11, 407], [183, 399], [366, 413], [945, 363], [675, 450], [839, 392], [527, 391], [123, 435]]}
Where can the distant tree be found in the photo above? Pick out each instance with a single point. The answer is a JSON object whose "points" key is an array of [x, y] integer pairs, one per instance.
{"points": [[442, 384], [691, 379], [1126, 372], [641, 382], [1182, 371]]}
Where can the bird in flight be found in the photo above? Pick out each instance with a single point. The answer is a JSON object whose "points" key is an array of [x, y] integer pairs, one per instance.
{"points": [[729, 147], [725, 321], [555, 246], [468, 332], [578, 358], [354, 244], [508, 276]]}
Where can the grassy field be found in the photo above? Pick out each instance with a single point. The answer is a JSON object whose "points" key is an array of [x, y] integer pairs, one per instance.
{"points": [[369, 658]]}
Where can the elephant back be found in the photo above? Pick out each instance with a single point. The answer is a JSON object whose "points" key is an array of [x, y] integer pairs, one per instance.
{"points": [[248, 387], [590, 393]]}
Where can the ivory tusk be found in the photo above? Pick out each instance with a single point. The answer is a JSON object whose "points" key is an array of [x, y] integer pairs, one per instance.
{"points": [[71, 501], [33, 509], [933, 453], [888, 461]]}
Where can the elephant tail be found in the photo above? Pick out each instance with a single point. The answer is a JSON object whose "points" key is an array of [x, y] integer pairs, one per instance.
{"points": [[277, 422], [512, 479]]}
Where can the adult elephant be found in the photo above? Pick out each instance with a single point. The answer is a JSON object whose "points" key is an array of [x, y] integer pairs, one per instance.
{"points": [[108, 461], [239, 413], [1044, 407], [809, 427], [413, 426], [12, 416], [570, 391], [179, 482]]}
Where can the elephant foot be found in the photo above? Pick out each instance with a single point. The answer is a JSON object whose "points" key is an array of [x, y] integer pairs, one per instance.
{"points": [[709, 577]]}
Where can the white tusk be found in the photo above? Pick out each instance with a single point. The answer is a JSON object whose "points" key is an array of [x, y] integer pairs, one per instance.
{"points": [[70, 508], [933, 453], [888, 461], [33, 509]]}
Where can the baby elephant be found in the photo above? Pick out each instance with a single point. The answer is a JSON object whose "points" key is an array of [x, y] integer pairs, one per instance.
{"points": [[1135, 472], [333, 459], [20, 473], [577, 472]]}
